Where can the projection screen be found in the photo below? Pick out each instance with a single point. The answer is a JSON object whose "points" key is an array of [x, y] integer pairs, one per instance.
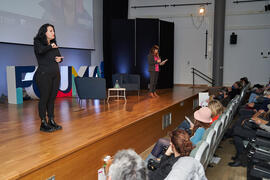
{"points": [[73, 21]]}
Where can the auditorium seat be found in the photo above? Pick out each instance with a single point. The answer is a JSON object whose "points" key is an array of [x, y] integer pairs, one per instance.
{"points": [[129, 81], [223, 119], [235, 103], [229, 115], [210, 138], [217, 126], [200, 153]]}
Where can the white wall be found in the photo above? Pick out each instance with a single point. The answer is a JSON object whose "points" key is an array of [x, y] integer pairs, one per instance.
{"points": [[252, 25], [97, 54], [189, 44], [248, 20]]}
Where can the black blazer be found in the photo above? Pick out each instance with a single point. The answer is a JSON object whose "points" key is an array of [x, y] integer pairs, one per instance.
{"points": [[151, 63]]}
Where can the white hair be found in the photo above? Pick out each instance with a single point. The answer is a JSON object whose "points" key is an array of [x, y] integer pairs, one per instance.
{"points": [[128, 165]]}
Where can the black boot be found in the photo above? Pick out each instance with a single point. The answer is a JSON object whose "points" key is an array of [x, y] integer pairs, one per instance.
{"points": [[53, 124], [236, 163], [234, 157], [45, 127], [241, 160]]}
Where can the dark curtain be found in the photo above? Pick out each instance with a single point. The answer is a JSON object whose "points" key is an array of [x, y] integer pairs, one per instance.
{"points": [[111, 10], [147, 35], [123, 45], [165, 79]]}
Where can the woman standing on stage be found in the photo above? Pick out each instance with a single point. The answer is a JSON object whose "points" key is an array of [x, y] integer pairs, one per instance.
{"points": [[47, 75], [153, 68]]}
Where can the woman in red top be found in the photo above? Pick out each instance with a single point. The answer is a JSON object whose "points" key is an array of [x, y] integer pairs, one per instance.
{"points": [[153, 68]]}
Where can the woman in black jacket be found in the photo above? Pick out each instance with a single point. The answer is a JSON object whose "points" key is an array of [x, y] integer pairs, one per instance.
{"points": [[47, 75]]}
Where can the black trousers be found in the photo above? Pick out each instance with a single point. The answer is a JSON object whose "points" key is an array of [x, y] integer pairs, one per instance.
{"points": [[239, 134], [153, 80], [243, 115], [48, 85]]}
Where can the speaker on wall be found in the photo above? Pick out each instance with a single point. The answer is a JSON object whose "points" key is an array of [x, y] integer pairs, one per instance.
{"points": [[233, 38]]}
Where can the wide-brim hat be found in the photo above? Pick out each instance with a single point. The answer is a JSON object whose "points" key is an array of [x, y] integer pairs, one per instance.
{"points": [[203, 115]]}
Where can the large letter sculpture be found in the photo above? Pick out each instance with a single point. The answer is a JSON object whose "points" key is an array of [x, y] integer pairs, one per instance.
{"points": [[20, 78]]}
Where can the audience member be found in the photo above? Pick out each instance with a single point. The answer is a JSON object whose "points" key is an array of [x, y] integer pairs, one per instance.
{"points": [[255, 93], [223, 96], [244, 81], [187, 168], [127, 165], [251, 108], [234, 90], [180, 146]]}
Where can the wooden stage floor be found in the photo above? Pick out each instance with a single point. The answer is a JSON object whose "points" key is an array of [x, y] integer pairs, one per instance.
{"points": [[88, 134]]}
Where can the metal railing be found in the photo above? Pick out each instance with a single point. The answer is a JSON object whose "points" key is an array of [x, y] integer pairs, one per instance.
{"points": [[201, 75]]}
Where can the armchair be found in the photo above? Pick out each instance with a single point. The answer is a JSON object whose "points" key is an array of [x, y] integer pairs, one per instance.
{"points": [[90, 88], [129, 81]]}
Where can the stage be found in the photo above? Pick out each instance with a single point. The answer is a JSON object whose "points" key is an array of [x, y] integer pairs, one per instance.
{"points": [[89, 133]]}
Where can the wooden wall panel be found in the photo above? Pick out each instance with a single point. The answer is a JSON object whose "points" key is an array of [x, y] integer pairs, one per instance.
{"points": [[84, 163]]}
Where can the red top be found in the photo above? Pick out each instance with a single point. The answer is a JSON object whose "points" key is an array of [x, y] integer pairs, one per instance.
{"points": [[156, 65], [214, 118]]}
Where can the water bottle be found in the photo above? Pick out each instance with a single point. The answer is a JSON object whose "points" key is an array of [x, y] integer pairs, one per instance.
{"points": [[105, 163], [116, 85]]}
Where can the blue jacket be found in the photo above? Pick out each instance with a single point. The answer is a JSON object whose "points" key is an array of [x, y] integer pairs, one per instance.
{"points": [[197, 136]]}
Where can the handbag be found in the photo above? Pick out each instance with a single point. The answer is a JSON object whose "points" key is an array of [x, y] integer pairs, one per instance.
{"points": [[250, 124], [152, 164]]}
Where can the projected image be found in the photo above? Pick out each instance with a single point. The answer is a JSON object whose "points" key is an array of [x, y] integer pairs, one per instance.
{"points": [[71, 11], [73, 21]]}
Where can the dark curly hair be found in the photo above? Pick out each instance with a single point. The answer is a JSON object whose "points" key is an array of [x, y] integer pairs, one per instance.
{"points": [[41, 35], [181, 141]]}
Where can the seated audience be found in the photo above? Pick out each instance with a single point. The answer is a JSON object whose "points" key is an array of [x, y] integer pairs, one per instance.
{"points": [[245, 132], [127, 165], [180, 146], [248, 110], [187, 168], [262, 103], [202, 122], [251, 108]]}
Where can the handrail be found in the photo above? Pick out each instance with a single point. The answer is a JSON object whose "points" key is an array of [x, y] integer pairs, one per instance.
{"points": [[201, 75]]}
